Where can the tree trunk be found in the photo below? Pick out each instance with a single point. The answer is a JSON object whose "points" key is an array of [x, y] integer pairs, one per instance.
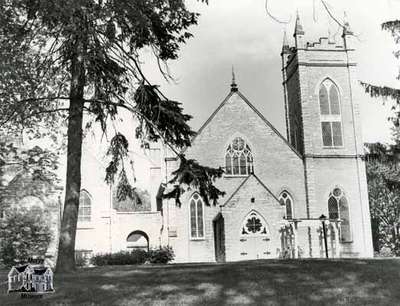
{"points": [[66, 246], [394, 239]]}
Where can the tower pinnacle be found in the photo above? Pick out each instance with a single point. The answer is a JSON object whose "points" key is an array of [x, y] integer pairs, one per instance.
{"points": [[285, 43], [298, 33], [346, 26], [298, 29], [330, 38]]}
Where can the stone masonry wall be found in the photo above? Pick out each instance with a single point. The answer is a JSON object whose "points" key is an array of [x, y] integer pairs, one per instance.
{"points": [[276, 164]]}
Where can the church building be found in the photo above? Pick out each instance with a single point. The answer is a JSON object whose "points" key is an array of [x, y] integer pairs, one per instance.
{"points": [[299, 195]]}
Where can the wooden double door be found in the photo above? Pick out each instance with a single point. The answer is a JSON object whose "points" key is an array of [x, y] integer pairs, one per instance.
{"points": [[255, 248]]}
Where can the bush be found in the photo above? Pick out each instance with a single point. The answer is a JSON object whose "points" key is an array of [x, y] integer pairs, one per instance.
{"points": [[136, 257], [385, 252], [80, 262], [162, 255]]}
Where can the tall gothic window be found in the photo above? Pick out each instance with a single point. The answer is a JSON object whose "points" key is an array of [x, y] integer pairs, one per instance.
{"points": [[238, 158], [196, 217], [331, 121], [339, 209], [85, 207], [286, 200]]}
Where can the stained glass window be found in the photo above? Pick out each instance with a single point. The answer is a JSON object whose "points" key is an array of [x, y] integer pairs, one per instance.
{"points": [[286, 200], [333, 208], [331, 121], [254, 224], [196, 217], [238, 158], [339, 209], [85, 207]]}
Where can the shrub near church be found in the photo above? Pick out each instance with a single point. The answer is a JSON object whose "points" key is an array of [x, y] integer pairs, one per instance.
{"points": [[136, 257]]}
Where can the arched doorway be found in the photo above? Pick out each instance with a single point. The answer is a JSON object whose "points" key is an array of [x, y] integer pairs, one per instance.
{"points": [[137, 240], [254, 237]]}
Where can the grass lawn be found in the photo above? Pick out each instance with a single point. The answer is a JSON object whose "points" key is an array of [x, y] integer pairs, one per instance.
{"points": [[268, 282]]}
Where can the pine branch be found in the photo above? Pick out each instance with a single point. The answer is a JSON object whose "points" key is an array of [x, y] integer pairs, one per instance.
{"points": [[387, 93], [190, 173], [392, 26], [382, 91]]}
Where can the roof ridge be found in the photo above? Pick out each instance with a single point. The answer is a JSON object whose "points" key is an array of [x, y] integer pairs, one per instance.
{"points": [[214, 113], [269, 124], [254, 109], [265, 186], [244, 181], [237, 189], [208, 120]]}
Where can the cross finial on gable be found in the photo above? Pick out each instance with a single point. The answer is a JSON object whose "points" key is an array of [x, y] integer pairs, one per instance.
{"points": [[234, 87]]}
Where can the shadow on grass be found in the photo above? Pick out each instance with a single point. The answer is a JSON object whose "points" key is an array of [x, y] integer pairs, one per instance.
{"points": [[273, 282]]}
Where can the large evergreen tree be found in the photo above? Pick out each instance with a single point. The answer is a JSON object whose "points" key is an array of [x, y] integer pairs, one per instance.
{"points": [[61, 58]]}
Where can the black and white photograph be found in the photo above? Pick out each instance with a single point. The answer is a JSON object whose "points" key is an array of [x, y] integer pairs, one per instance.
{"points": [[199, 152]]}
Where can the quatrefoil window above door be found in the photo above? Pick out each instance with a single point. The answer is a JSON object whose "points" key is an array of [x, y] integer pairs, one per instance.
{"points": [[254, 225]]}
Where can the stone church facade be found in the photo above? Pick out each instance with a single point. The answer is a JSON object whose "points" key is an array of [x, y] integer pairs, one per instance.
{"points": [[277, 188]]}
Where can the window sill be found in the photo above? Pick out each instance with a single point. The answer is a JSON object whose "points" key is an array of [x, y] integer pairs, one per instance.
{"points": [[333, 147], [197, 239], [235, 176]]}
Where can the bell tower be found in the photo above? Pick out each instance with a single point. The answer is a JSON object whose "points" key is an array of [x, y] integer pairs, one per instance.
{"points": [[324, 125]]}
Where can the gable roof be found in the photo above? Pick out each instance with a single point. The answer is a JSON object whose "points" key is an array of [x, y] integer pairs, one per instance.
{"points": [[40, 270], [244, 182], [21, 269], [255, 110]]}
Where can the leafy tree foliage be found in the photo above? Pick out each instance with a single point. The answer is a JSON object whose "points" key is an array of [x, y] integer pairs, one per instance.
{"points": [[39, 164], [24, 233], [383, 175], [382, 167], [61, 59], [42, 163]]}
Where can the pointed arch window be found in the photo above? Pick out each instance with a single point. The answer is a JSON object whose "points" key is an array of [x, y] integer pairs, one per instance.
{"points": [[85, 207], [196, 217], [339, 209], [286, 200], [331, 120], [238, 158]]}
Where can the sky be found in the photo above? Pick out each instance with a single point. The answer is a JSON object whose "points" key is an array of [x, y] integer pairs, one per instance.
{"points": [[240, 33]]}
